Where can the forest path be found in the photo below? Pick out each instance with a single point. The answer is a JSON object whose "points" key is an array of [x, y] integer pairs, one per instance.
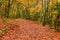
{"points": [[22, 29]]}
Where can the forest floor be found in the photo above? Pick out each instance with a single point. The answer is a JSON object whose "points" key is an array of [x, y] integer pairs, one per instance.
{"points": [[21, 29]]}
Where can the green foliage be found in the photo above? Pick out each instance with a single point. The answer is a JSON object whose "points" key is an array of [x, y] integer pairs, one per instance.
{"points": [[3, 30], [57, 21], [58, 7]]}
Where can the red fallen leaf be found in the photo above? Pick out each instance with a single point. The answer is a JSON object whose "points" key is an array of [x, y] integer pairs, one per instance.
{"points": [[28, 30]]}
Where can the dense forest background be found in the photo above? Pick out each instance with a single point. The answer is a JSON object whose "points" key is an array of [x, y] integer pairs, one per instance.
{"points": [[46, 12]]}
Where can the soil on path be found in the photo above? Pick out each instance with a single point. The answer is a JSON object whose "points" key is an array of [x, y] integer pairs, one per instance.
{"points": [[22, 29]]}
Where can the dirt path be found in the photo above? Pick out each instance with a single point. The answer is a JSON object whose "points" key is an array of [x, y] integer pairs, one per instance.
{"points": [[27, 30]]}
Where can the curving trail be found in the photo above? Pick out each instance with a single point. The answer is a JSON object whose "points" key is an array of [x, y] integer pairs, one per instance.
{"points": [[22, 29]]}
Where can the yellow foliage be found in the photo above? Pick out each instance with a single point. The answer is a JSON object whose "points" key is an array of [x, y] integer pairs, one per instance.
{"points": [[25, 2], [32, 9], [38, 7], [58, 0]]}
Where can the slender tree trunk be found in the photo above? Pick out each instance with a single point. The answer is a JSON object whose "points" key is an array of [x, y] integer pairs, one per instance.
{"points": [[8, 8]]}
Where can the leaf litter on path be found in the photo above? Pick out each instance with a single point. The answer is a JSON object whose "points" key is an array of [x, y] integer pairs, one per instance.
{"points": [[28, 30]]}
